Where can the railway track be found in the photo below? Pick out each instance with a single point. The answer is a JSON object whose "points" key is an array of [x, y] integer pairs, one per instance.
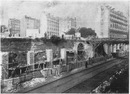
{"points": [[67, 82], [88, 85]]}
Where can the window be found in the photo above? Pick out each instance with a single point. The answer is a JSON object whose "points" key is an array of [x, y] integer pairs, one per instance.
{"points": [[115, 26], [111, 25]]}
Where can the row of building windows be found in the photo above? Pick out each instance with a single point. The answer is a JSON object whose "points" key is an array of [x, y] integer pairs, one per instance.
{"points": [[14, 20], [32, 23], [118, 14], [52, 33], [118, 21], [118, 26], [55, 29], [16, 29], [52, 17], [14, 26], [53, 25], [32, 26], [112, 35], [53, 21], [119, 18], [15, 23]]}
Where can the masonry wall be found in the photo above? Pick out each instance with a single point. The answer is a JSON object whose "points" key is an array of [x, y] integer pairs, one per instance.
{"points": [[24, 44], [15, 44]]}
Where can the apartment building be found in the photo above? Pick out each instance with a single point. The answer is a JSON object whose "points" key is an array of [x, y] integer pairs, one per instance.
{"points": [[14, 27], [66, 24], [49, 25], [111, 23], [30, 27]]}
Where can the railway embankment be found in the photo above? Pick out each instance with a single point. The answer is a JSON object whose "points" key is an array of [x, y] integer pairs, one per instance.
{"points": [[71, 79]]}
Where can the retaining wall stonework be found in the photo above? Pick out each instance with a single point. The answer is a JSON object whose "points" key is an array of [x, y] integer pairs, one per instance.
{"points": [[15, 44], [24, 44]]}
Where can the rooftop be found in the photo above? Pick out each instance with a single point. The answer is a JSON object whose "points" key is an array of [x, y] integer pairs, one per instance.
{"points": [[115, 11]]}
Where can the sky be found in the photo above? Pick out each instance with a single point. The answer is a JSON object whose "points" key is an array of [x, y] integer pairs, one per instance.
{"points": [[84, 10]]}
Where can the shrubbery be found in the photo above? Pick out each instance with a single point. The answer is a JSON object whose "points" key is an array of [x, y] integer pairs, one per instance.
{"points": [[56, 40]]}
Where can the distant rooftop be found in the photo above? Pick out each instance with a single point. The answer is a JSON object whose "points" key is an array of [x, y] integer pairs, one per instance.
{"points": [[115, 11]]}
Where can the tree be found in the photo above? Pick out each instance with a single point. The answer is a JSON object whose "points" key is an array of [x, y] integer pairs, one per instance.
{"points": [[55, 40], [71, 31], [85, 32]]}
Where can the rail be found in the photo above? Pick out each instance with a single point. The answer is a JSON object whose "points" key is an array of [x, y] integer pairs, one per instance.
{"points": [[68, 81]]}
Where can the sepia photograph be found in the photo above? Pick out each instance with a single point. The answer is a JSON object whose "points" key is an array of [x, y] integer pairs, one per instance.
{"points": [[64, 46]]}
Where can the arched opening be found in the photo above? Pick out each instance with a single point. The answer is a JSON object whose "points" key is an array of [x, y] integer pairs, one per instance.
{"points": [[80, 52], [99, 51]]}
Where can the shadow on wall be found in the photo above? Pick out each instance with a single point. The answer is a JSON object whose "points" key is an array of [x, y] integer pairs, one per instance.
{"points": [[15, 44], [100, 50]]}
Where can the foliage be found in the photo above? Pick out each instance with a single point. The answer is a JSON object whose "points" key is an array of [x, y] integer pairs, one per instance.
{"points": [[56, 40], [71, 31], [85, 32], [37, 39]]}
